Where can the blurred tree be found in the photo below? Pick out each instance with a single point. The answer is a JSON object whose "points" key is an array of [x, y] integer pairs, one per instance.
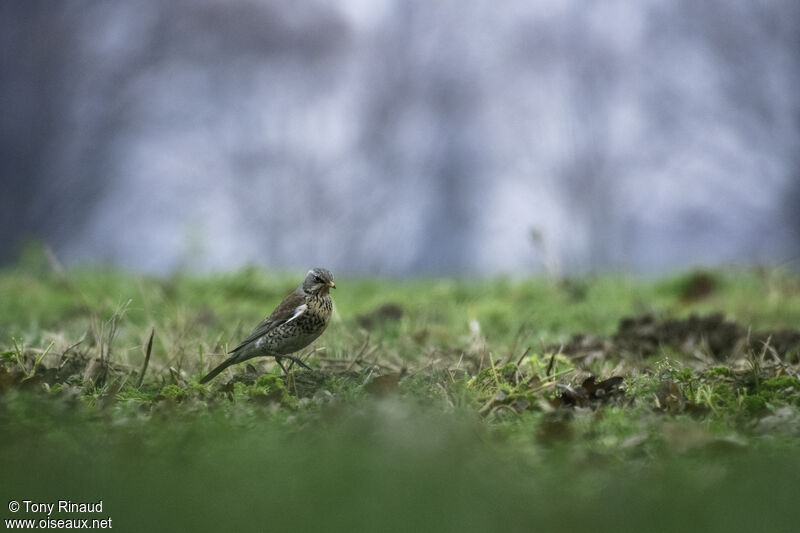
{"points": [[37, 43]]}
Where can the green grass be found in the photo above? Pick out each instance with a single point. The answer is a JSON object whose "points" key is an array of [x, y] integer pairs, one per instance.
{"points": [[464, 433]]}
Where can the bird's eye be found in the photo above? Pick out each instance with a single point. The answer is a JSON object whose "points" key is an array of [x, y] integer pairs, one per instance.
{"points": [[318, 279]]}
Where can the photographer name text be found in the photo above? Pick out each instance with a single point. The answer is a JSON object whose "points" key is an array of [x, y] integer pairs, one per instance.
{"points": [[61, 506]]}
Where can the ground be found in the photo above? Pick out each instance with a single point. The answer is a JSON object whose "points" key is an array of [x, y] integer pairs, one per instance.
{"points": [[501, 404]]}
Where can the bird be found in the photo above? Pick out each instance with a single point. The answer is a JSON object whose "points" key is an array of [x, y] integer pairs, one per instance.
{"points": [[297, 321]]}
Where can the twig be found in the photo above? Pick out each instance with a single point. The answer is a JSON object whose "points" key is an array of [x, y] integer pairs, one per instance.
{"points": [[146, 358], [755, 363], [521, 357], [72, 346], [514, 343], [18, 353], [784, 366], [552, 380], [351, 362], [360, 353], [39, 359], [494, 371], [550, 364], [303, 358], [450, 372]]}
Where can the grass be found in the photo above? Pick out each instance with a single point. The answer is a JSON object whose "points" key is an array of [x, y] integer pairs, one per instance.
{"points": [[460, 414]]}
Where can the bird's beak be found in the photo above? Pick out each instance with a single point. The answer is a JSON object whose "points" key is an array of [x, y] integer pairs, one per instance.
{"points": [[331, 284]]}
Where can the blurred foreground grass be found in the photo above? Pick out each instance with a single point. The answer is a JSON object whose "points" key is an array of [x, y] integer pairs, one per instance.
{"points": [[471, 432], [387, 466]]}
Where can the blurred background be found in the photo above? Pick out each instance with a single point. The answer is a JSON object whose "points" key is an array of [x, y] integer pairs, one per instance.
{"points": [[402, 137]]}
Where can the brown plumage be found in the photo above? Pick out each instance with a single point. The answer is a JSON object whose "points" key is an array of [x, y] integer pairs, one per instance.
{"points": [[297, 321]]}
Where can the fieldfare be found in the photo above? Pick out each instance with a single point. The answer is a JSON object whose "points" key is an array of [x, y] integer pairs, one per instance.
{"points": [[299, 319]]}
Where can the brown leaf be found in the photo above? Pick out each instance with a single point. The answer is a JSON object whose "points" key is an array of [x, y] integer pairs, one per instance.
{"points": [[95, 371], [669, 397], [573, 396], [611, 384], [384, 385], [534, 382], [7, 379], [590, 393], [589, 385], [31, 382]]}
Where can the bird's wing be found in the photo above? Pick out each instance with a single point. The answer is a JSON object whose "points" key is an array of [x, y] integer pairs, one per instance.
{"points": [[297, 312], [289, 309]]}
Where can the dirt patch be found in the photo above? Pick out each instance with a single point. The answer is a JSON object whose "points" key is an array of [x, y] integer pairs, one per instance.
{"points": [[704, 336], [390, 312], [698, 286]]}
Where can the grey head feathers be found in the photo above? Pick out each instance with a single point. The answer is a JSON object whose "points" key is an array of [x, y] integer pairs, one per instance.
{"points": [[318, 281]]}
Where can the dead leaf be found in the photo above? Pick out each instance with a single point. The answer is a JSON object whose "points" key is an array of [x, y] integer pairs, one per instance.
{"points": [[573, 396], [669, 397], [590, 393], [95, 372], [30, 382], [8, 379], [385, 385]]}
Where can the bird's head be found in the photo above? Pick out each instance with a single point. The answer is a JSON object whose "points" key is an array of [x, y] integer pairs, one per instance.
{"points": [[318, 281]]}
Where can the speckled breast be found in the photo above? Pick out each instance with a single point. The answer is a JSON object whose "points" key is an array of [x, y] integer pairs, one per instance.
{"points": [[302, 331]]}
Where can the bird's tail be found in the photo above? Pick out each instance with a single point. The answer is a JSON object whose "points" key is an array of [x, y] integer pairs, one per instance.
{"points": [[225, 364]]}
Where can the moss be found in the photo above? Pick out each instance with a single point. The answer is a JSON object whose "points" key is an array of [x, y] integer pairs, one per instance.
{"points": [[720, 397], [8, 357], [268, 388], [754, 404], [486, 380], [132, 393], [724, 393], [781, 389], [781, 383], [270, 381], [239, 391], [508, 372], [684, 375], [172, 392], [718, 371]]}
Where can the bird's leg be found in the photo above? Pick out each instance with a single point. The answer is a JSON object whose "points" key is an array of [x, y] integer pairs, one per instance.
{"points": [[280, 364], [287, 372], [294, 359]]}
